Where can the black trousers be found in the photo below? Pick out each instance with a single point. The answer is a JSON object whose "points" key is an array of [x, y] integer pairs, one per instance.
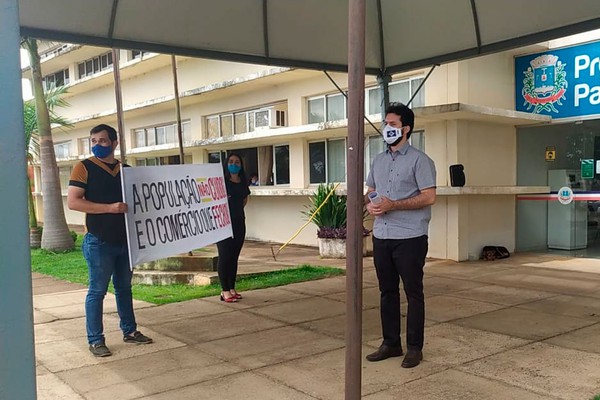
{"points": [[229, 253], [404, 259]]}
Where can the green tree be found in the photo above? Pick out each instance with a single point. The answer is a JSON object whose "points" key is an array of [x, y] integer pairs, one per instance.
{"points": [[56, 235], [53, 100]]}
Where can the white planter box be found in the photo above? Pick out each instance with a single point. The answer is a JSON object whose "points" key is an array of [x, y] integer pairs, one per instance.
{"points": [[336, 248]]}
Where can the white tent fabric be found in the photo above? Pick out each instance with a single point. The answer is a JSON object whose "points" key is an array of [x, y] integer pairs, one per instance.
{"points": [[400, 35]]}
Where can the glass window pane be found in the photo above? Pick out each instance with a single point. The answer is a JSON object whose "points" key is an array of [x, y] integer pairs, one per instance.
{"points": [[214, 158], [140, 138], [140, 163], [161, 135], [336, 161], [419, 100], [336, 108], [250, 121], [282, 165], [316, 156], [64, 174], [261, 119], [417, 140], [400, 92], [212, 127], [171, 134], [150, 137], [88, 68], [60, 79], [375, 100], [81, 70], [96, 62], [84, 145], [226, 125], [316, 110], [186, 127], [376, 145], [151, 161], [240, 123]]}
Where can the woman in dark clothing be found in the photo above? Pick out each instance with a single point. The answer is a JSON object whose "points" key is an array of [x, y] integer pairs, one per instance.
{"points": [[230, 248]]}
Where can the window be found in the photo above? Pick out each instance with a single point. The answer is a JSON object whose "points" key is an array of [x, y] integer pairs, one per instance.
{"points": [[212, 127], [62, 150], [399, 91], [375, 145], [327, 108], [224, 125], [95, 65], [214, 158], [164, 134], [327, 161], [147, 162], [56, 79], [64, 175], [281, 168], [316, 159], [153, 161], [241, 123], [84, 146], [137, 54]]}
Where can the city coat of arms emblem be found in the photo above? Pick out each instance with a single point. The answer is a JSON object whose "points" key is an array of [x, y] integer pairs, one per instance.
{"points": [[544, 84]]}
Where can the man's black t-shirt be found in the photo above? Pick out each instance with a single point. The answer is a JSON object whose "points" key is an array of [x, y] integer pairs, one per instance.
{"points": [[102, 184]]}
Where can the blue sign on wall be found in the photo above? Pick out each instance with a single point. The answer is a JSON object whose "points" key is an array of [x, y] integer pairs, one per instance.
{"points": [[560, 83]]}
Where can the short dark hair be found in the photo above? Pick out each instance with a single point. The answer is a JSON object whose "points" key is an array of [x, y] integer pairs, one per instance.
{"points": [[407, 116], [112, 133]]}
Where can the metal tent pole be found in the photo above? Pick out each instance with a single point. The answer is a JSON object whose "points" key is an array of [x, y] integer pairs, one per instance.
{"points": [[17, 358]]}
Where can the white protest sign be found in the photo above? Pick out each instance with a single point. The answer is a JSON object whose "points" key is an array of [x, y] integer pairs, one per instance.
{"points": [[174, 209]]}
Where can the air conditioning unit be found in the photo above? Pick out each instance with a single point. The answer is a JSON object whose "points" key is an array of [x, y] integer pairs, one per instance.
{"points": [[269, 118]]}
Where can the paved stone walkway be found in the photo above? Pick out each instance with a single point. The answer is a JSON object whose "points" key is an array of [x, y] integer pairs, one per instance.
{"points": [[527, 327]]}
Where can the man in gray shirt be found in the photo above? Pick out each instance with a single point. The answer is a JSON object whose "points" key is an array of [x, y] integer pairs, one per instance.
{"points": [[401, 189]]}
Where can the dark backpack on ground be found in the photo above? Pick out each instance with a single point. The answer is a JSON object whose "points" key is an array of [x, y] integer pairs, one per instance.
{"points": [[491, 253]]}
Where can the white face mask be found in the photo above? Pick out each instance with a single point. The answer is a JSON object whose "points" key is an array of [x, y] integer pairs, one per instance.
{"points": [[391, 135]]}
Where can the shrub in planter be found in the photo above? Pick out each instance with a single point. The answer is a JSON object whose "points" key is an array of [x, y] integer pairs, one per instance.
{"points": [[330, 217]]}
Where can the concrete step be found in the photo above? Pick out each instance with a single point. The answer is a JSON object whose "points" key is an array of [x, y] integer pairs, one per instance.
{"points": [[148, 277], [198, 261]]}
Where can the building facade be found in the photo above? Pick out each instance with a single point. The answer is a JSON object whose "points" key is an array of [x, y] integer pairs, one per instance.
{"points": [[290, 127]]}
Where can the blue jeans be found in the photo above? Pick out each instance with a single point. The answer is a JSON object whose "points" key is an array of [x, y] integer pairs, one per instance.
{"points": [[105, 260]]}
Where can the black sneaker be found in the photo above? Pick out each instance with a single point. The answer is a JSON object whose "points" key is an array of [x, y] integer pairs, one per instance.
{"points": [[100, 350], [137, 337]]}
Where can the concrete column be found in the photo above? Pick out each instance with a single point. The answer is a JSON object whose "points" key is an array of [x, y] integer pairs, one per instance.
{"points": [[17, 359]]}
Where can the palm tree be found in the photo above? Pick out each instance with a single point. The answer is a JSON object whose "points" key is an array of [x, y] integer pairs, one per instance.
{"points": [[56, 235], [53, 99]]}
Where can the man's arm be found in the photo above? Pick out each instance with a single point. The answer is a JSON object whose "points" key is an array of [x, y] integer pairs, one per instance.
{"points": [[424, 199], [76, 201]]}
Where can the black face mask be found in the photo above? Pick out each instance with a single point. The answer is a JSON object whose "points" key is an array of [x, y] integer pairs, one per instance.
{"points": [[395, 143]]}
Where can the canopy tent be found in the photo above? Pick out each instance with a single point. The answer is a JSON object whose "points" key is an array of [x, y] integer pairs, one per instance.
{"points": [[386, 36], [400, 35]]}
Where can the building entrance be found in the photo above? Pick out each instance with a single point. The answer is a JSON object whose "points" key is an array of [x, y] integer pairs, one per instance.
{"points": [[565, 157]]}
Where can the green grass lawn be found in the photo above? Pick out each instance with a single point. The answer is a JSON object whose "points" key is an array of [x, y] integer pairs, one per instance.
{"points": [[70, 266]]}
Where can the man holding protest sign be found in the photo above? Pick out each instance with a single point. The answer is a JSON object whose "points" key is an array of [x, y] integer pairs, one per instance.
{"points": [[95, 189]]}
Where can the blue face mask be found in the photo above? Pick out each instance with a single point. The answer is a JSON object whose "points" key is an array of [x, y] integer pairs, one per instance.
{"points": [[234, 168], [102, 151]]}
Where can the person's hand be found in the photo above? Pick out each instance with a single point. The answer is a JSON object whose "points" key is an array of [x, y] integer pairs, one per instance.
{"points": [[117, 208], [380, 208]]}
